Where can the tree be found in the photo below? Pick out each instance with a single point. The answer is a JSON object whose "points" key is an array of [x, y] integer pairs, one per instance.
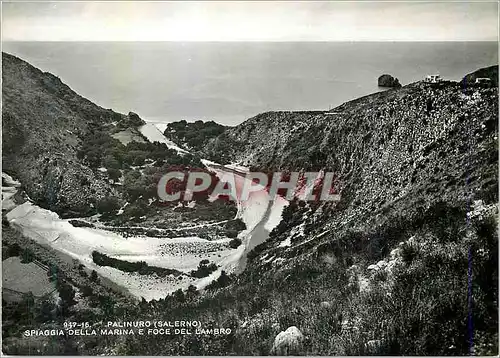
{"points": [[46, 312], [234, 243], [136, 210], [179, 296], [236, 224], [108, 205], [191, 292], [13, 250], [204, 269], [87, 291], [27, 256], [107, 305], [94, 157], [53, 273], [67, 294], [94, 277], [134, 119], [134, 184], [110, 162], [114, 174], [223, 281]]}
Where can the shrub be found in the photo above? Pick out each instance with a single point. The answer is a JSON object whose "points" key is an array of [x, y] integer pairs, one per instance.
{"points": [[204, 269], [108, 205], [236, 224], [114, 174], [234, 243], [87, 291], [67, 294]]}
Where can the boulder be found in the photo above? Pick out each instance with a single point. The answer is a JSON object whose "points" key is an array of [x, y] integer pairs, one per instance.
{"points": [[325, 304], [388, 81], [288, 342]]}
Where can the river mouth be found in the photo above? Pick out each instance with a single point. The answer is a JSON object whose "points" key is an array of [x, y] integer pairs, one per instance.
{"points": [[182, 254], [260, 214]]}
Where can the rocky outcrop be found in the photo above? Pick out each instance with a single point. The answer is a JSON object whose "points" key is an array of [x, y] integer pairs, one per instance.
{"points": [[134, 120], [487, 72], [388, 81], [288, 342]]}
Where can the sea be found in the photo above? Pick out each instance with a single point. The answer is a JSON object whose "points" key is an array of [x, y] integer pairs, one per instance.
{"points": [[229, 82]]}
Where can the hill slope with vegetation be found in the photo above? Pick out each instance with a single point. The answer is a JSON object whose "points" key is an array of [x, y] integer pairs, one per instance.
{"points": [[45, 125], [193, 136], [72, 156], [405, 263]]}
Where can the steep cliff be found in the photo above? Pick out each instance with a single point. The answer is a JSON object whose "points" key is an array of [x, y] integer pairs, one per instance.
{"points": [[44, 124]]}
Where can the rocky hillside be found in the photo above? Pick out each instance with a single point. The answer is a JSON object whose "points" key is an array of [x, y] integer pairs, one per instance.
{"points": [[44, 124], [386, 269], [389, 149]]}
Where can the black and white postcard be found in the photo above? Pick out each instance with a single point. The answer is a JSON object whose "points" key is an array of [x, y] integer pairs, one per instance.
{"points": [[250, 178]]}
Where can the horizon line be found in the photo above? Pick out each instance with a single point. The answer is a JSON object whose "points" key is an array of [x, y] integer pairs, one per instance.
{"points": [[256, 41]]}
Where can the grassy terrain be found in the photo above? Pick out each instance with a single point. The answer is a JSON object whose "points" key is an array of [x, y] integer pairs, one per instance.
{"points": [[418, 306], [25, 277]]}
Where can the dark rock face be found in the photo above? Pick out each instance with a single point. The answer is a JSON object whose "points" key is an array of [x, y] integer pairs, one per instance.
{"points": [[486, 72], [388, 81], [43, 124]]}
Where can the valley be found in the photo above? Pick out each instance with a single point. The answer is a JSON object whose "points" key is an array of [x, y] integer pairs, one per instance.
{"points": [[403, 264]]}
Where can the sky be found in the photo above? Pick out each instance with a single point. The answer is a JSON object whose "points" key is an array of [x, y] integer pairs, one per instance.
{"points": [[250, 21]]}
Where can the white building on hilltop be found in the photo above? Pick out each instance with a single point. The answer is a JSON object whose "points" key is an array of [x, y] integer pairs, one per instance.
{"points": [[433, 78]]}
